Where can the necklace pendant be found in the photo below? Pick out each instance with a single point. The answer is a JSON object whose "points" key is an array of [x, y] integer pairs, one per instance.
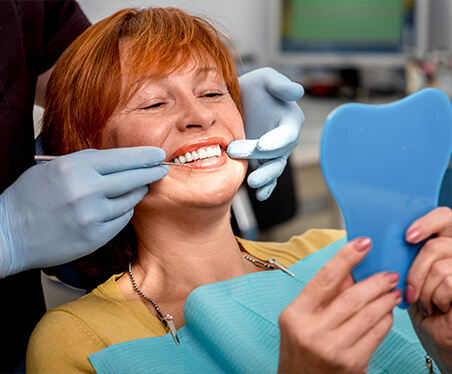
{"points": [[168, 321], [281, 267]]}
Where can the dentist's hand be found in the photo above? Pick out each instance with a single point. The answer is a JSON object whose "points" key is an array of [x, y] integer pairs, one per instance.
{"points": [[66, 208], [273, 123]]}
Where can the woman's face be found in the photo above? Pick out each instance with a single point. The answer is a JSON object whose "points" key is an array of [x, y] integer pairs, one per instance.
{"points": [[189, 114]]}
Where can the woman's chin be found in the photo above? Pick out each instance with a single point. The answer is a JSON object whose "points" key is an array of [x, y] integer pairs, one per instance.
{"points": [[210, 195], [206, 188]]}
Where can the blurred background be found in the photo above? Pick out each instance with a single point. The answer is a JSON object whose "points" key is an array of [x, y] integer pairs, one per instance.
{"points": [[372, 51]]}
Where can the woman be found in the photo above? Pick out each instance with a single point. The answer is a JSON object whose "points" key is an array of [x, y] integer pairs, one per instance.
{"points": [[163, 78]]}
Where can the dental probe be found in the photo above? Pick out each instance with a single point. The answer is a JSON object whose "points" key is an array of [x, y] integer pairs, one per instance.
{"points": [[45, 158]]}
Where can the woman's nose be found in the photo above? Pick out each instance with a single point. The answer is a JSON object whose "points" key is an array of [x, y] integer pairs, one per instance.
{"points": [[195, 114]]}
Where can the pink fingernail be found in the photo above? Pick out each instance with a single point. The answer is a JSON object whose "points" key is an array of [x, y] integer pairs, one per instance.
{"points": [[410, 294], [362, 244], [392, 277], [414, 235], [397, 293]]}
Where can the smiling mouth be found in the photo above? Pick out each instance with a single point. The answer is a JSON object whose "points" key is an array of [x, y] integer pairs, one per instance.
{"points": [[198, 155]]}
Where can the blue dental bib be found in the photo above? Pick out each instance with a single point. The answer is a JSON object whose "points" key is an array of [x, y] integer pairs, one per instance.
{"points": [[384, 165], [232, 327]]}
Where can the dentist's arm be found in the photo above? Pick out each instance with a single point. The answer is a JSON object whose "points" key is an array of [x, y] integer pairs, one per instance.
{"points": [[273, 123], [64, 209]]}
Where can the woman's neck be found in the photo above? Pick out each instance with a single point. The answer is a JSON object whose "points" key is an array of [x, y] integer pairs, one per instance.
{"points": [[180, 253]]}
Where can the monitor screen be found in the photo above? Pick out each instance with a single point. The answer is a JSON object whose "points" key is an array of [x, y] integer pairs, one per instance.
{"points": [[341, 32]]}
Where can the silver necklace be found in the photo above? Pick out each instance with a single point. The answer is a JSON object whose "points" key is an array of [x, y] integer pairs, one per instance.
{"points": [[167, 319], [270, 264]]}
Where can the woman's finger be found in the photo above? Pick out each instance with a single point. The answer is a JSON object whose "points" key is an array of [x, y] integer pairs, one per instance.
{"points": [[442, 297], [435, 249], [355, 328], [366, 346], [325, 285], [436, 222], [355, 299], [437, 289]]}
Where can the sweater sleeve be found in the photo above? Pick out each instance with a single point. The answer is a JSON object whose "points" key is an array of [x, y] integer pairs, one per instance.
{"points": [[50, 350]]}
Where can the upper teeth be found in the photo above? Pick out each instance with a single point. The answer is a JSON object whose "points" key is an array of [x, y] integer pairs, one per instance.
{"points": [[200, 154]]}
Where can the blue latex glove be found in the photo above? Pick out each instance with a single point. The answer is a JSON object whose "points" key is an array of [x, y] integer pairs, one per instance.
{"points": [[66, 208], [273, 123]]}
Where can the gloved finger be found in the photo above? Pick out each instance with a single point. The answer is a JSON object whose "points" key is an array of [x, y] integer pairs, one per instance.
{"points": [[120, 205], [109, 161], [267, 172], [111, 228], [248, 149], [264, 192], [120, 183], [243, 149], [287, 132], [282, 87]]}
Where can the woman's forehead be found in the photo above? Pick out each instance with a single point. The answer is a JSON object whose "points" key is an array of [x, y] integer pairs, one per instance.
{"points": [[200, 70], [158, 62]]}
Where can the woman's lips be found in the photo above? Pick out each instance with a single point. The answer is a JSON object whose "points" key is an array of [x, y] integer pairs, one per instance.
{"points": [[212, 158], [199, 154], [210, 163], [202, 154], [195, 145]]}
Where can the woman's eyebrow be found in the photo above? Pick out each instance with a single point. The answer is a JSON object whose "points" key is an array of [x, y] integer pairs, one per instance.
{"points": [[201, 74], [205, 70], [211, 73]]}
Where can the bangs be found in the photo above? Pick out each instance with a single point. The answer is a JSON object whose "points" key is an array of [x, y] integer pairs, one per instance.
{"points": [[161, 42]]}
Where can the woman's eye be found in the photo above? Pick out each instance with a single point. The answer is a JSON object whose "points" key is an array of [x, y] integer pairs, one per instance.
{"points": [[153, 106], [213, 94]]}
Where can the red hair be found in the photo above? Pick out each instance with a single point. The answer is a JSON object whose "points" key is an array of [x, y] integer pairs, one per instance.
{"points": [[89, 81], [92, 79]]}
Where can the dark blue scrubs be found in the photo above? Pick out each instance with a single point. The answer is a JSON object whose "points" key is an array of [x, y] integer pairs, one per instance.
{"points": [[33, 34]]}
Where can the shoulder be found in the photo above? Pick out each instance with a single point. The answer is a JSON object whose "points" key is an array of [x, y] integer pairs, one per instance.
{"points": [[67, 335], [295, 248], [93, 313], [61, 342]]}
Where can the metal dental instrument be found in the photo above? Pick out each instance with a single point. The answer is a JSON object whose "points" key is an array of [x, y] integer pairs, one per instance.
{"points": [[45, 158]]}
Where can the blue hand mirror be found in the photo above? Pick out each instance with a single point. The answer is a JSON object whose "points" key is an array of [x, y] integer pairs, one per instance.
{"points": [[384, 165]]}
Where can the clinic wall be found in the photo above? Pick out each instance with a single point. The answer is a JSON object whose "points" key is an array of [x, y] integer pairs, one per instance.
{"points": [[246, 19]]}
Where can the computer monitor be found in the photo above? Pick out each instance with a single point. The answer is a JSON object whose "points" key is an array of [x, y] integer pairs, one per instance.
{"points": [[341, 33]]}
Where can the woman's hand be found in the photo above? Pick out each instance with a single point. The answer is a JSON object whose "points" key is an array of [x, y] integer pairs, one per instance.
{"points": [[335, 325], [429, 283]]}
